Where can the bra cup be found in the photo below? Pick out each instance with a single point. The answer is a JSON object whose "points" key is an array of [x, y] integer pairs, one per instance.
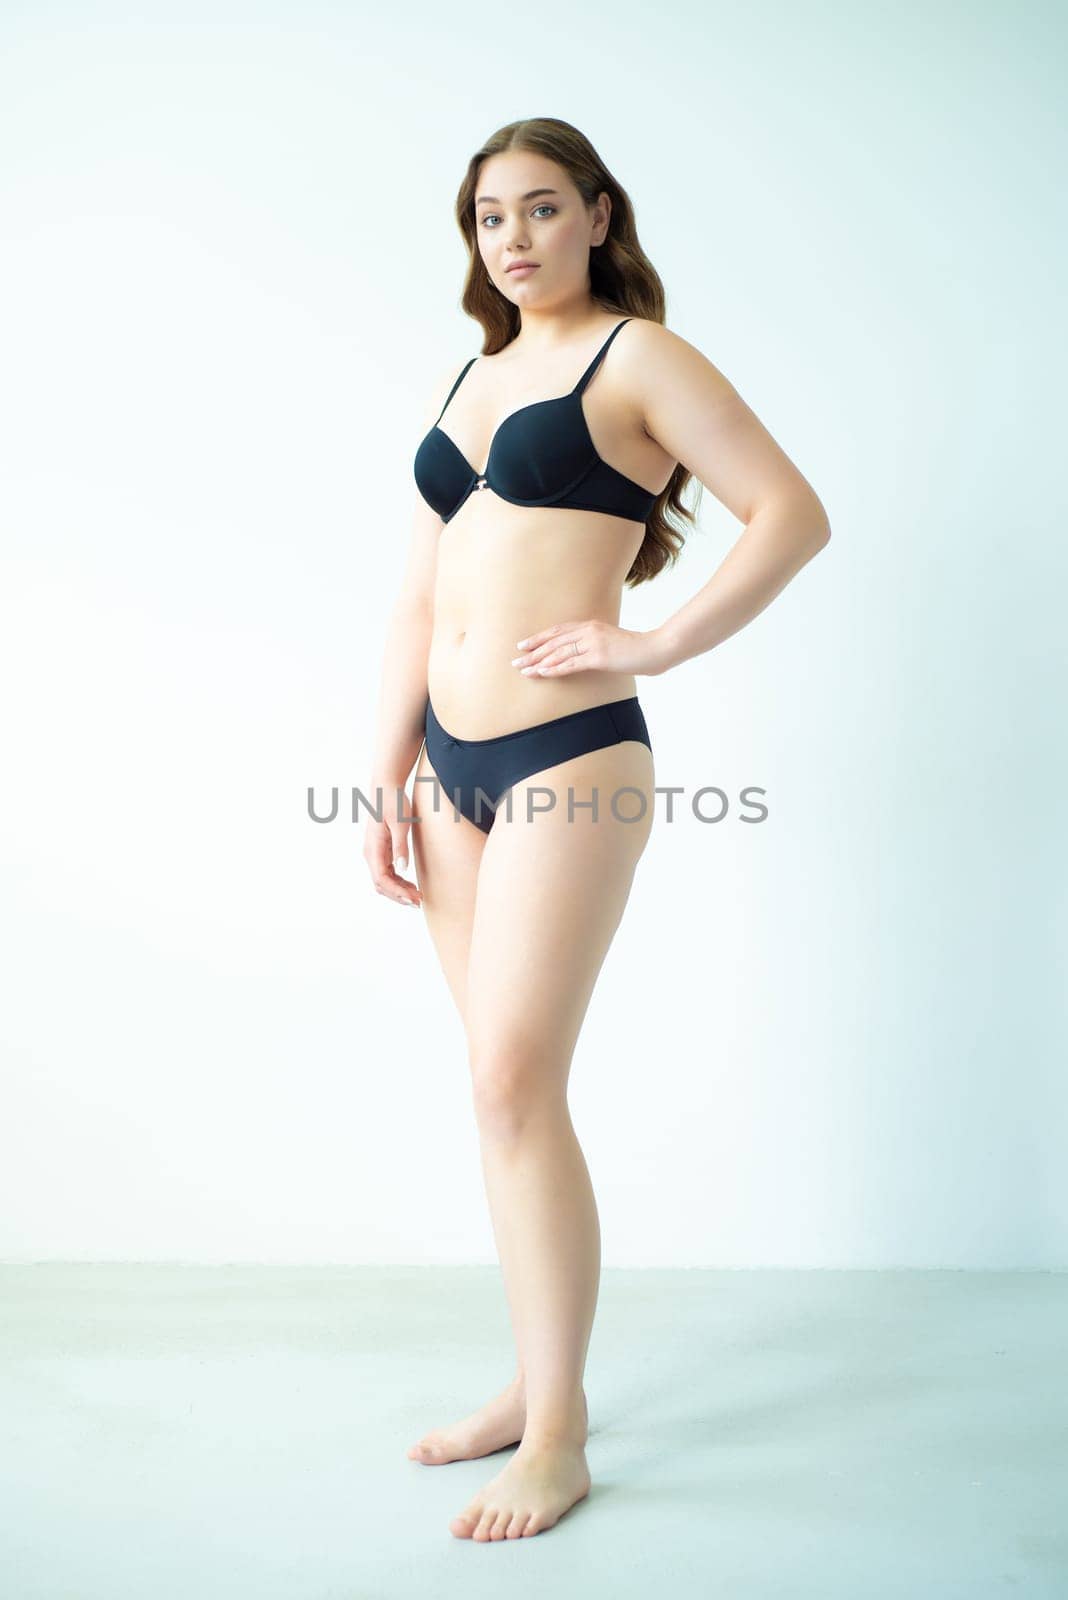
{"points": [[541, 451], [440, 475], [541, 455]]}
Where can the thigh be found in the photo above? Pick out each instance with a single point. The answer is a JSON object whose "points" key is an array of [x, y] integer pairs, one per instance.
{"points": [[446, 851], [551, 893]]}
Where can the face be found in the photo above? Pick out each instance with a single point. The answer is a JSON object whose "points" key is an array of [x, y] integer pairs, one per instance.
{"points": [[527, 209]]}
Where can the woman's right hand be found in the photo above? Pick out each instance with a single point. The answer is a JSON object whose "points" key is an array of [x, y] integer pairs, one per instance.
{"points": [[386, 843]]}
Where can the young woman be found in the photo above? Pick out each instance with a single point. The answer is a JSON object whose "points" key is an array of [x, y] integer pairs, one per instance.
{"points": [[545, 481]]}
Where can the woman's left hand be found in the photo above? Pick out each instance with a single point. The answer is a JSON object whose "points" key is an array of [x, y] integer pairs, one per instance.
{"points": [[594, 646]]}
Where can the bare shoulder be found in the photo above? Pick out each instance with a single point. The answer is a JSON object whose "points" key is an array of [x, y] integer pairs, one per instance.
{"points": [[656, 355]]}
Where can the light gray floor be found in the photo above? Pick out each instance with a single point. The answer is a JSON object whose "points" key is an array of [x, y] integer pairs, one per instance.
{"points": [[193, 1432]]}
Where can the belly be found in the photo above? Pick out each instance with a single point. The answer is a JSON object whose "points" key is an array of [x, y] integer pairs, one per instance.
{"points": [[505, 572]]}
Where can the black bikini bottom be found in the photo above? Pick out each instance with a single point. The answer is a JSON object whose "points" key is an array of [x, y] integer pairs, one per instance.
{"points": [[475, 773]]}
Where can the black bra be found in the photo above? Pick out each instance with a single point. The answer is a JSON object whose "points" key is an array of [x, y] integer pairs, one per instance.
{"points": [[541, 455]]}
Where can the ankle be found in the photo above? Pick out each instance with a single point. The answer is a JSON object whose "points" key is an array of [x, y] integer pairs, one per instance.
{"points": [[558, 1428], [545, 1437], [518, 1387]]}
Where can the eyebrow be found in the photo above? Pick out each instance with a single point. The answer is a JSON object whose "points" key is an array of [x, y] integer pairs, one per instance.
{"points": [[528, 196]]}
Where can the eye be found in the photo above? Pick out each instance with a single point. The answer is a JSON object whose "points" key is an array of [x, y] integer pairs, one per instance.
{"points": [[545, 206]]}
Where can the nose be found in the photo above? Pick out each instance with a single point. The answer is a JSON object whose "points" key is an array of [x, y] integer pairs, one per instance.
{"points": [[516, 235]]}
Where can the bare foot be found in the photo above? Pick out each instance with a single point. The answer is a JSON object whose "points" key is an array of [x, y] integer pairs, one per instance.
{"points": [[531, 1493], [499, 1422]]}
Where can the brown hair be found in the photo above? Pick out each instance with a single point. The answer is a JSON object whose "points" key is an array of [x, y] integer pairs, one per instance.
{"points": [[622, 279]]}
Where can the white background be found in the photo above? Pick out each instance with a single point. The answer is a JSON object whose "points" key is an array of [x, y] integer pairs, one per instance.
{"points": [[229, 271]]}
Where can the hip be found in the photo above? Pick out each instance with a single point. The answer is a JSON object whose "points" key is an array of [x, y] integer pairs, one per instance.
{"points": [[476, 773]]}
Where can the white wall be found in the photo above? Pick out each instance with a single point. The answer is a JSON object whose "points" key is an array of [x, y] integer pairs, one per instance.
{"points": [[228, 267]]}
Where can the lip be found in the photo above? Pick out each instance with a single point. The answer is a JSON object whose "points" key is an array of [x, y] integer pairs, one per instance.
{"points": [[523, 266]]}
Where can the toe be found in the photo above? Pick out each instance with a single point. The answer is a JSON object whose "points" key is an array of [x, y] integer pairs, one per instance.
{"points": [[484, 1524], [463, 1526], [500, 1527], [515, 1525]]}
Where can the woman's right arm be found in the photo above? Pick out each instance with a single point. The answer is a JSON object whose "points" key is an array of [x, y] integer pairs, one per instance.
{"points": [[402, 694], [402, 691]]}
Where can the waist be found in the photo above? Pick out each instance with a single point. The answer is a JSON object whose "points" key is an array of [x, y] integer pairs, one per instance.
{"points": [[479, 695]]}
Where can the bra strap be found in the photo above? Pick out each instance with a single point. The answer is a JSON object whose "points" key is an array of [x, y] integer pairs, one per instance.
{"points": [[454, 388], [588, 374]]}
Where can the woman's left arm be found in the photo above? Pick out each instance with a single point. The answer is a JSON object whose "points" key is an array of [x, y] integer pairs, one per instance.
{"points": [[699, 418]]}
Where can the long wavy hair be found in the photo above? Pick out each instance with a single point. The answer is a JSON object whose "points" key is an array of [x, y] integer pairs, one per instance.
{"points": [[622, 279]]}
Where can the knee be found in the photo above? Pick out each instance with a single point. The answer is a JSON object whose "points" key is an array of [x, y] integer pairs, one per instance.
{"points": [[509, 1086]]}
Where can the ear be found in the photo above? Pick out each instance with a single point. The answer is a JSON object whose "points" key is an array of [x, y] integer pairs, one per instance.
{"points": [[605, 204]]}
